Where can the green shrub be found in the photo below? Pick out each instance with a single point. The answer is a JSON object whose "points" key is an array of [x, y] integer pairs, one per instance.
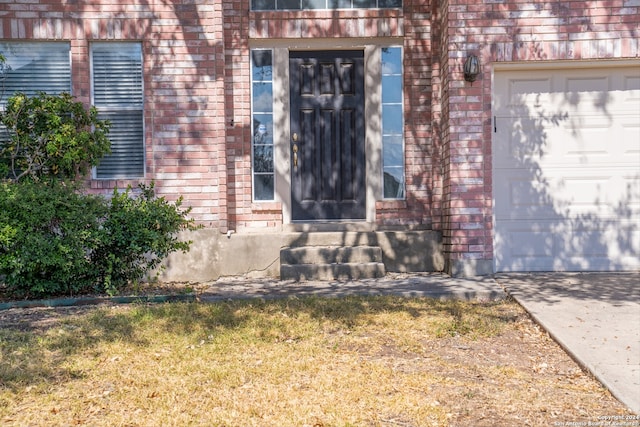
{"points": [[138, 232], [51, 135], [47, 230], [54, 240]]}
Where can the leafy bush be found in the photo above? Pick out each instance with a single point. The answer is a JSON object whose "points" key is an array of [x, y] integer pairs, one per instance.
{"points": [[55, 240], [51, 135], [46, 231], [136, 235]]}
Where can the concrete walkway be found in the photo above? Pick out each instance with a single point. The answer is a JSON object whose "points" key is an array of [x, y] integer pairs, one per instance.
{"points": [[595, 317], [433, 285]]}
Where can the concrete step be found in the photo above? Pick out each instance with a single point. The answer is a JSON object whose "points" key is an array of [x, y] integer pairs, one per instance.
{"points": [[334, 238], [331, 262], [347, 271], [330, 255]]}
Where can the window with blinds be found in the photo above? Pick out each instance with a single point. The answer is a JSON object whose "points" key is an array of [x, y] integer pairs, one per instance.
{"points": [[34, 67], [117, 92], [31, 68]]}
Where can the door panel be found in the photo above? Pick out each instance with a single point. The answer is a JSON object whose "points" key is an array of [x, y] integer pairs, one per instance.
{"points": [[327, 116]]}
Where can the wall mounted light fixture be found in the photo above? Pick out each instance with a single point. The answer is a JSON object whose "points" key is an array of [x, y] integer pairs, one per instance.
{"points": [[471, 68]]}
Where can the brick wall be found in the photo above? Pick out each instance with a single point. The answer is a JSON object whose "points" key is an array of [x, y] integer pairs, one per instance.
{"points": [[325, 24], [418, 128], [508, 30], [237, 99], [183, 84]]}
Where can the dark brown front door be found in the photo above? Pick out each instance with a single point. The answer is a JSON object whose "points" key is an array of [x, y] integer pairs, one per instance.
{"points": [[327, 135]]}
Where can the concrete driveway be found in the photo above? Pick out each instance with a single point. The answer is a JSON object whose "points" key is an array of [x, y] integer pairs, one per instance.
{"points": [[594, 316]]}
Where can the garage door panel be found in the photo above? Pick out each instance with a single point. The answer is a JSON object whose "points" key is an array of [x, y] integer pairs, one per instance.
{"points": [[578, 141], [566, 193], [587, 93], [566, 156], [631, 88], [535, 244], [579, 145], [584, 139], [594, 141], [522, 197], [630, 138], [599, 193], [628, 192], [564, 245], [527, 91], [518, 248], [519, 142], [567, 90]]}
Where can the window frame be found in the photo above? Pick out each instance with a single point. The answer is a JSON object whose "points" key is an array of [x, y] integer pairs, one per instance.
{"points": [[4, 95], [254, 112], [68, 89], [401, 193], [105, 110]]}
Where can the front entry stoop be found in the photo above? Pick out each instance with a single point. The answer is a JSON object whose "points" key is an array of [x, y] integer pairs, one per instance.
{"points": [[405, 249], [331, 262]]}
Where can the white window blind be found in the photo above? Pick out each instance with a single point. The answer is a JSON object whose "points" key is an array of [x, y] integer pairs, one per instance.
{"points": [[31, 68], [118, 95], [35, 67]]}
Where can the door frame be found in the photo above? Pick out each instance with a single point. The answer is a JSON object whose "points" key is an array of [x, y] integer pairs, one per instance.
{"points": [[372, 110], [351, 205]]}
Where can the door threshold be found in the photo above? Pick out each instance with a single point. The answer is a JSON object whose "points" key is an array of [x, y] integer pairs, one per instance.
{"points": [[340, 225], [349, 225], [327, 221]]}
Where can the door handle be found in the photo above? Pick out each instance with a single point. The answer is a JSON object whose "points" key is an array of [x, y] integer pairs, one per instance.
{"points": [[295, 155]]}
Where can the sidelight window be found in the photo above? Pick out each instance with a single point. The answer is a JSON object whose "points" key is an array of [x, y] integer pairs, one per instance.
{"points": [[262, 124], [392, 124]]}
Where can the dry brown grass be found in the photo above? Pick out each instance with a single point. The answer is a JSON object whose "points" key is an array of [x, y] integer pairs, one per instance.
{"points": [[359, 361]]}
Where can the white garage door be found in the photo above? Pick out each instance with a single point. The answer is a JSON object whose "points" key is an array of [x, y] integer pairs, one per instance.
{"points": [[566, 169]]}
